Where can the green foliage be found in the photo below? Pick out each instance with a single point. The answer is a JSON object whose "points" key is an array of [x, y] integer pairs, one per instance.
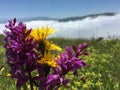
{"points": [[102, 72], [1, 39]]}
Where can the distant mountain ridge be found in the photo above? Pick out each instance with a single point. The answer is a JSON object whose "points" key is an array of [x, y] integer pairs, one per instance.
{"points": [[28, 19], [62, 19], [83, 17]]}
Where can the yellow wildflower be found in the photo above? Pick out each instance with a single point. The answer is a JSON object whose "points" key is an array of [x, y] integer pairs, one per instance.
{"points": [[77, 83], [48, 59], [8, 75], [51, 46], [45, 46], [85, 86], [99, 84], [41, 34]]}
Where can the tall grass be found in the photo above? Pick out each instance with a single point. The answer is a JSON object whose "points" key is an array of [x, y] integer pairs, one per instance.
{"points": [[102, 73]]}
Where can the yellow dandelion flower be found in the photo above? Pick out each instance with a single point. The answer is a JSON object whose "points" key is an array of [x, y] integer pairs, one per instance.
{"points": [[45, 46], [51, 46], [48, 59], [41, 34]]}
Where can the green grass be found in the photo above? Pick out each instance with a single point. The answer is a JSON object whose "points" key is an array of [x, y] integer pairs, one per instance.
{"points": [[103, 72]]}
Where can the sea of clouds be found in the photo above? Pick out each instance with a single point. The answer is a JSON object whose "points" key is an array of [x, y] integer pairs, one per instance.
{"points": [[101, 26]]}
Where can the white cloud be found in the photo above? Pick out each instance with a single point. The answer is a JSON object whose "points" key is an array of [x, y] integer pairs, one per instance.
{"points": [[102, 26]]}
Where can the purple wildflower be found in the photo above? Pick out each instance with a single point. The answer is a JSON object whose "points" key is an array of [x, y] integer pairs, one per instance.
{"points": [[68, 61], [55, 80], [20, 53], [52, 81]]}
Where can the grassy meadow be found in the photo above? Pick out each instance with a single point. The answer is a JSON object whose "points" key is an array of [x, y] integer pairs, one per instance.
{"points": [[102, 72]]}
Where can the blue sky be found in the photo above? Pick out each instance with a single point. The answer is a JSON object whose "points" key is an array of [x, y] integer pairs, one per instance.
{"points": [[55, 8]]}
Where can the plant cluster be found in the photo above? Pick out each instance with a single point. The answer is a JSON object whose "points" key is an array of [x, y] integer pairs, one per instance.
{"points": [[34, 61]]}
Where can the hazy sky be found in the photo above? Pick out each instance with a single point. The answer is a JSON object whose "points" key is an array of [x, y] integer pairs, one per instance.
{"points": [[55, 8]]}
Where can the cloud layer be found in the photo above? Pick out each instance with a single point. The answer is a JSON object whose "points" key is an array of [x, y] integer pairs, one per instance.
{"points": [[101, 26]]}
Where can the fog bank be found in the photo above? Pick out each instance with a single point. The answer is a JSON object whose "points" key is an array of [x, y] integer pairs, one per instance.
{"points": [[101, 26]]}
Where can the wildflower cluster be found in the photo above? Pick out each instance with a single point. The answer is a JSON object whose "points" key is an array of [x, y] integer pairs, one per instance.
{"points": [[20, 52], [32, 58]]}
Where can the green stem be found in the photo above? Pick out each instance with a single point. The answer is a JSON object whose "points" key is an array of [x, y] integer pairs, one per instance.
{"points": [[25, 87], [31, 84], [18, 88]]}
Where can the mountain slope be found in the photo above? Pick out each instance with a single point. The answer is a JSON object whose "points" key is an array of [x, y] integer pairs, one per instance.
{"points": [[60, 20], [83, 17]]}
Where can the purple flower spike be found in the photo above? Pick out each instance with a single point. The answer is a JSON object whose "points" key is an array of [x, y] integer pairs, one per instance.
{"points": [[20, 53], [54, 81], [69, 61]]}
